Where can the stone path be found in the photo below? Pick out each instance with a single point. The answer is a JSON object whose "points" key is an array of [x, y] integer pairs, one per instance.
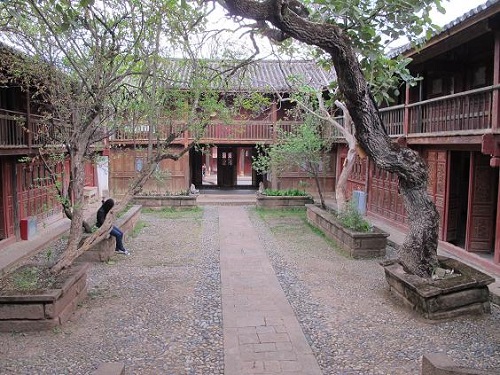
{"points": [[261, 332]]}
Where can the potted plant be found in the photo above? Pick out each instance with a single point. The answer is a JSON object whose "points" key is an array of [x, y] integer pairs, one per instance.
{"points": [[32, 298], [352, 233], [288, 198], [179, 199]]}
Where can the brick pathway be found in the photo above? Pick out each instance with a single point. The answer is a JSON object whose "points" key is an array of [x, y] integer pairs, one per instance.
{"points": [[261, 332]]}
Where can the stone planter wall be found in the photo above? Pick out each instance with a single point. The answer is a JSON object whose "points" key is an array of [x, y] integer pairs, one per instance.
{"points": [[356, 244], [166, 201], [441, 299], [45, 309], [267, 201], [105, 249]]}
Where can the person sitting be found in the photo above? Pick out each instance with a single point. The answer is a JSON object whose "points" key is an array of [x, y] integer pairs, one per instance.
{"points": [[107, 205]]}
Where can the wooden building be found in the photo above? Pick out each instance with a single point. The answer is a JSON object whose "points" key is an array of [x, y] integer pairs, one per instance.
{"points": [[223, 159], [27, 195], [452, 118]]}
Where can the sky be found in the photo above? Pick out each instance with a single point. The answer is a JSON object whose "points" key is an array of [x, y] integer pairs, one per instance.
{"points": [[454, 9]]}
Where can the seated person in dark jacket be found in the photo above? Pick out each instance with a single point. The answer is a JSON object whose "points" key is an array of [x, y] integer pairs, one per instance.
{"points": [[107, 205]]}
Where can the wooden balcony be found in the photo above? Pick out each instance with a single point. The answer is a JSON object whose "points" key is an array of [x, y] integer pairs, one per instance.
{"points": [[20, 131], [393, 118], [241, 132], [465, 113]]}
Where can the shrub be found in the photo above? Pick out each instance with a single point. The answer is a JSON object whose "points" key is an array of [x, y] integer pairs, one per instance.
{"points": [[285, 193], [352, 219]]}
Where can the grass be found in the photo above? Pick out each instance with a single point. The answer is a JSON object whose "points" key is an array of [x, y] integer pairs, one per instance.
{"points": [[175, 213], [137, 228], [30, 278], [26, 279], [280, 213]]}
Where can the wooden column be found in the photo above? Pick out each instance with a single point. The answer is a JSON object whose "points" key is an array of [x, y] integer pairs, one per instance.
{"points": [[274, 120], [496, 254], [495, 119], [406, 120], [495, 116], [29, 123]]}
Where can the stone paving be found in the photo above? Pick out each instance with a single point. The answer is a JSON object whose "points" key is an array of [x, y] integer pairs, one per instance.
{"points": [[261, 333], [226, 290]]}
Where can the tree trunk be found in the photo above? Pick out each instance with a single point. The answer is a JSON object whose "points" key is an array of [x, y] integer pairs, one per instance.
{"points": [[75, 232], [340, 190], [418, 253]]}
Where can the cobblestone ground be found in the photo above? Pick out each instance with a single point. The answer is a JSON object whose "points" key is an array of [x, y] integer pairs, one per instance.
{"points": [[351, 321], [158, 310]]}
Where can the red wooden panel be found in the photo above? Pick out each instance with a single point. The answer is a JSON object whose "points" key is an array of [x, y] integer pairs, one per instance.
{"points": [[437, 162], [383, 196], [480, 234]]}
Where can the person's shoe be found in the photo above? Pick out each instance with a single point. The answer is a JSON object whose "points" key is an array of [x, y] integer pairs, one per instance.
{"points": [[124, 252]]}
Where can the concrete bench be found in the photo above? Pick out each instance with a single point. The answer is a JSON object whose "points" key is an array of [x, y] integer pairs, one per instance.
{"points": [[440, 364], [105, 249], [90, 194], [113, 368]]}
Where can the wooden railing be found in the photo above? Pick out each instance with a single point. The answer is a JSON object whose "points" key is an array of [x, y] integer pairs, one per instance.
{"points": [[19, 130], [393, 118], [13, 129], [237, 131], [465, 111]]}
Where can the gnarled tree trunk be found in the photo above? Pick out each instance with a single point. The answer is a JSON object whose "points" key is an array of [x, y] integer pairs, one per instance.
{"points": [[418, 252]]}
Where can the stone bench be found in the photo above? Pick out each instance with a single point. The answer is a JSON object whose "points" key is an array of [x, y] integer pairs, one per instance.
{"points": [[112, 368], [105, 249], [90, 194], [440, 364]]}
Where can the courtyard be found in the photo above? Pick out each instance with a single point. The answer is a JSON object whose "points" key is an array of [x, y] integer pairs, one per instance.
{"points": [[198, 295]]}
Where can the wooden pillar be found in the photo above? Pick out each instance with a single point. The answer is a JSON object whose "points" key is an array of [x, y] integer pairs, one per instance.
{"points": [[406, 120], [29, 123], [496, 250], [274, 120], [495, 119], [495, 116], [15, 202]]}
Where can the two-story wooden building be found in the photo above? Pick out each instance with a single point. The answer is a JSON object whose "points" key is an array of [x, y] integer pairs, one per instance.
{"points": [[224, 157], [452, 118], [28, 196]]}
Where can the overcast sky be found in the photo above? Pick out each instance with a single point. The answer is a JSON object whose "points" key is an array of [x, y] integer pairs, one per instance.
{"points": [[454, 9]]}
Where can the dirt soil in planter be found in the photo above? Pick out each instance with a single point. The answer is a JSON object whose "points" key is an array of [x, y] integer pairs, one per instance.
{"points": [[33, 274]]}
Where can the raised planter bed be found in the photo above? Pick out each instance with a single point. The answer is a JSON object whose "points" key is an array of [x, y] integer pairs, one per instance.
{"points": [[105, 249], [441, 299], [45, 309], [165, 201], [271, 201], [356, 244]]}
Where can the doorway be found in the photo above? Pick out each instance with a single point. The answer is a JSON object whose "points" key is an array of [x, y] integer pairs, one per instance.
{"points": [[458, 198], [224, 166]]}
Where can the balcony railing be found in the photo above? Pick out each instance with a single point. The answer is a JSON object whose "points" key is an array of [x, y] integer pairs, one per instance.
{"points": [[469, 111], [13, 129], [393, 118], [19, 130], [465, 111], [256, 131]]}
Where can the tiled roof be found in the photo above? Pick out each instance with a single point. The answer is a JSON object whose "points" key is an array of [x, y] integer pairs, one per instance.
{"points": [[262, 76], [446, 28]]}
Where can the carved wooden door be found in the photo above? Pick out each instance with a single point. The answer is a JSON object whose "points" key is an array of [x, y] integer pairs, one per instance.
{"points": [[437, 161], [226, 162], [482, 204]]}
